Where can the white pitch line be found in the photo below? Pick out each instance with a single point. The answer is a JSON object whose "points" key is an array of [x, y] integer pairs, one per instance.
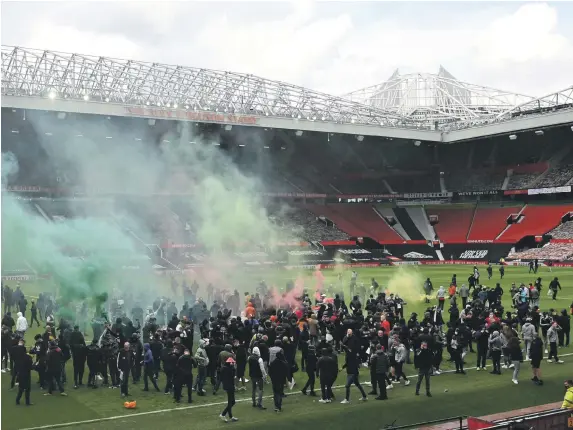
{"points": [[184, 408]]}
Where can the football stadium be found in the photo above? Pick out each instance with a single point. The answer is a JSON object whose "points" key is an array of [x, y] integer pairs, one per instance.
{"points": [[199, 248]]}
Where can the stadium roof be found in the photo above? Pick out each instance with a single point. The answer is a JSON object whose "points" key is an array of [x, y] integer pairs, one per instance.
{"points": [[440, 98], [36, 73], [428, 107]]}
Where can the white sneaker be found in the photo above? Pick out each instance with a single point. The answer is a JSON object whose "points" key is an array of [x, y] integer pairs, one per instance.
{"points": [[437, 372], [550, 361], [224, 418], [367, 383], [322, 401], [511, 366], [345, 402], [504, 366], [3, 370], [389, 387], [407, 382], [478, 368], [292, 384], [560, 361], [484, 368], [234, 419], [546, 352], [515, 381], [363, 399]]}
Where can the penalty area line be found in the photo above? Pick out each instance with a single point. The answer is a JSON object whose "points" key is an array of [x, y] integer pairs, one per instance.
{"points": [[186, 408]]}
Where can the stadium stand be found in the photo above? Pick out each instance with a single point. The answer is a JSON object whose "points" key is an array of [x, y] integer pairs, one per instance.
{"points": [[560, 175], [489, 222], [453, 224], [359, 221], [563, 231], [535, 220], [551, 251], [474, 180]]}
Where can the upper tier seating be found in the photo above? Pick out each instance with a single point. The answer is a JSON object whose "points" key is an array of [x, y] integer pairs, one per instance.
{"points": [[551, 251], [489, 222], [537, 220], [453, 224], [563, 231]]}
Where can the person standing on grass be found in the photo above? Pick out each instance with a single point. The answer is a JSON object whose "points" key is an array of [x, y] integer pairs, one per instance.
{"points": [[25, 379], [258, 375], [528, 332], [183, 376], [34, 314], [441, 296], [516, 356], [423, 362], [21, 324], [552, 338], [380, 365], [278, 372], [482, 339], [352, 365], [311, 368], [400, 355], [54, 362], [125, 362], [554, 286], [228, 381], [148, 368], [495, 345], [536, 355]]}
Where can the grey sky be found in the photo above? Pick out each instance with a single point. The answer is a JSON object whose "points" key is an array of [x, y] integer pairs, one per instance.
{"points": [[332, 47]]}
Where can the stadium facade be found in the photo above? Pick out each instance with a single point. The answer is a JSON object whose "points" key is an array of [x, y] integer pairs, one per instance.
{"points": [[370, 176]]}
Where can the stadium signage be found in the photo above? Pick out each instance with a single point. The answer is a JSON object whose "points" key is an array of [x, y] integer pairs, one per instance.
{"points": [[480, 241], [426, 195], [551, 190], [474, 254], [478, 193], [353, 251], [297, 253], [191, 116], [416, 255]]}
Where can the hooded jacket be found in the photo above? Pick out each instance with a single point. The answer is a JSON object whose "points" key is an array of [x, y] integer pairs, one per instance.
{"points": [[528, 331], [21, 323], [441, 294], [147, 355], [256, 365], [201, 355]]}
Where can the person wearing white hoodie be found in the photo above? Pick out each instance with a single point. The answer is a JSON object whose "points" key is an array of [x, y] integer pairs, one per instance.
{"points": [[441, 296], [21, 325], [528, 332]]}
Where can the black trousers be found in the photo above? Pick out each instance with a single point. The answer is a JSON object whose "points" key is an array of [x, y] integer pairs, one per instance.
{"points": [[180, 381], [496, 360], [113, 371], [79, 367], [457, 356], [278, 394], [326, 388], [481, 356], [230, 403], [92, 377], [24, 388], [381, 382], [423, 373], [169, 381], [553, 351], [310, 382], [124, 385], [34, 318], [55, 377], [148, 373]]}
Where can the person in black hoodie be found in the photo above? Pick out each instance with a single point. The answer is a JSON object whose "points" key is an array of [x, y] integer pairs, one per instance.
{"points": [[241, 357], [169, 358], [95, 362], [156, 346], [228, 381], [78, 349], [278, 372], [352, 366], [423, 362], [17, 352], [184, 375], [380, 365], [326, 370], [482, 341], [25, 378], [54, 362], [125, 361], [536, 355], [311, 370]]}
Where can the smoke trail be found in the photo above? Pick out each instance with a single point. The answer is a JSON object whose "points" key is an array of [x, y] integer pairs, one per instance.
{"points": [[109, 232], [408, 283]]}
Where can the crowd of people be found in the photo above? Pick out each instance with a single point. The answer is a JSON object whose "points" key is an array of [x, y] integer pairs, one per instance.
{"points": [[261, 342]]}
